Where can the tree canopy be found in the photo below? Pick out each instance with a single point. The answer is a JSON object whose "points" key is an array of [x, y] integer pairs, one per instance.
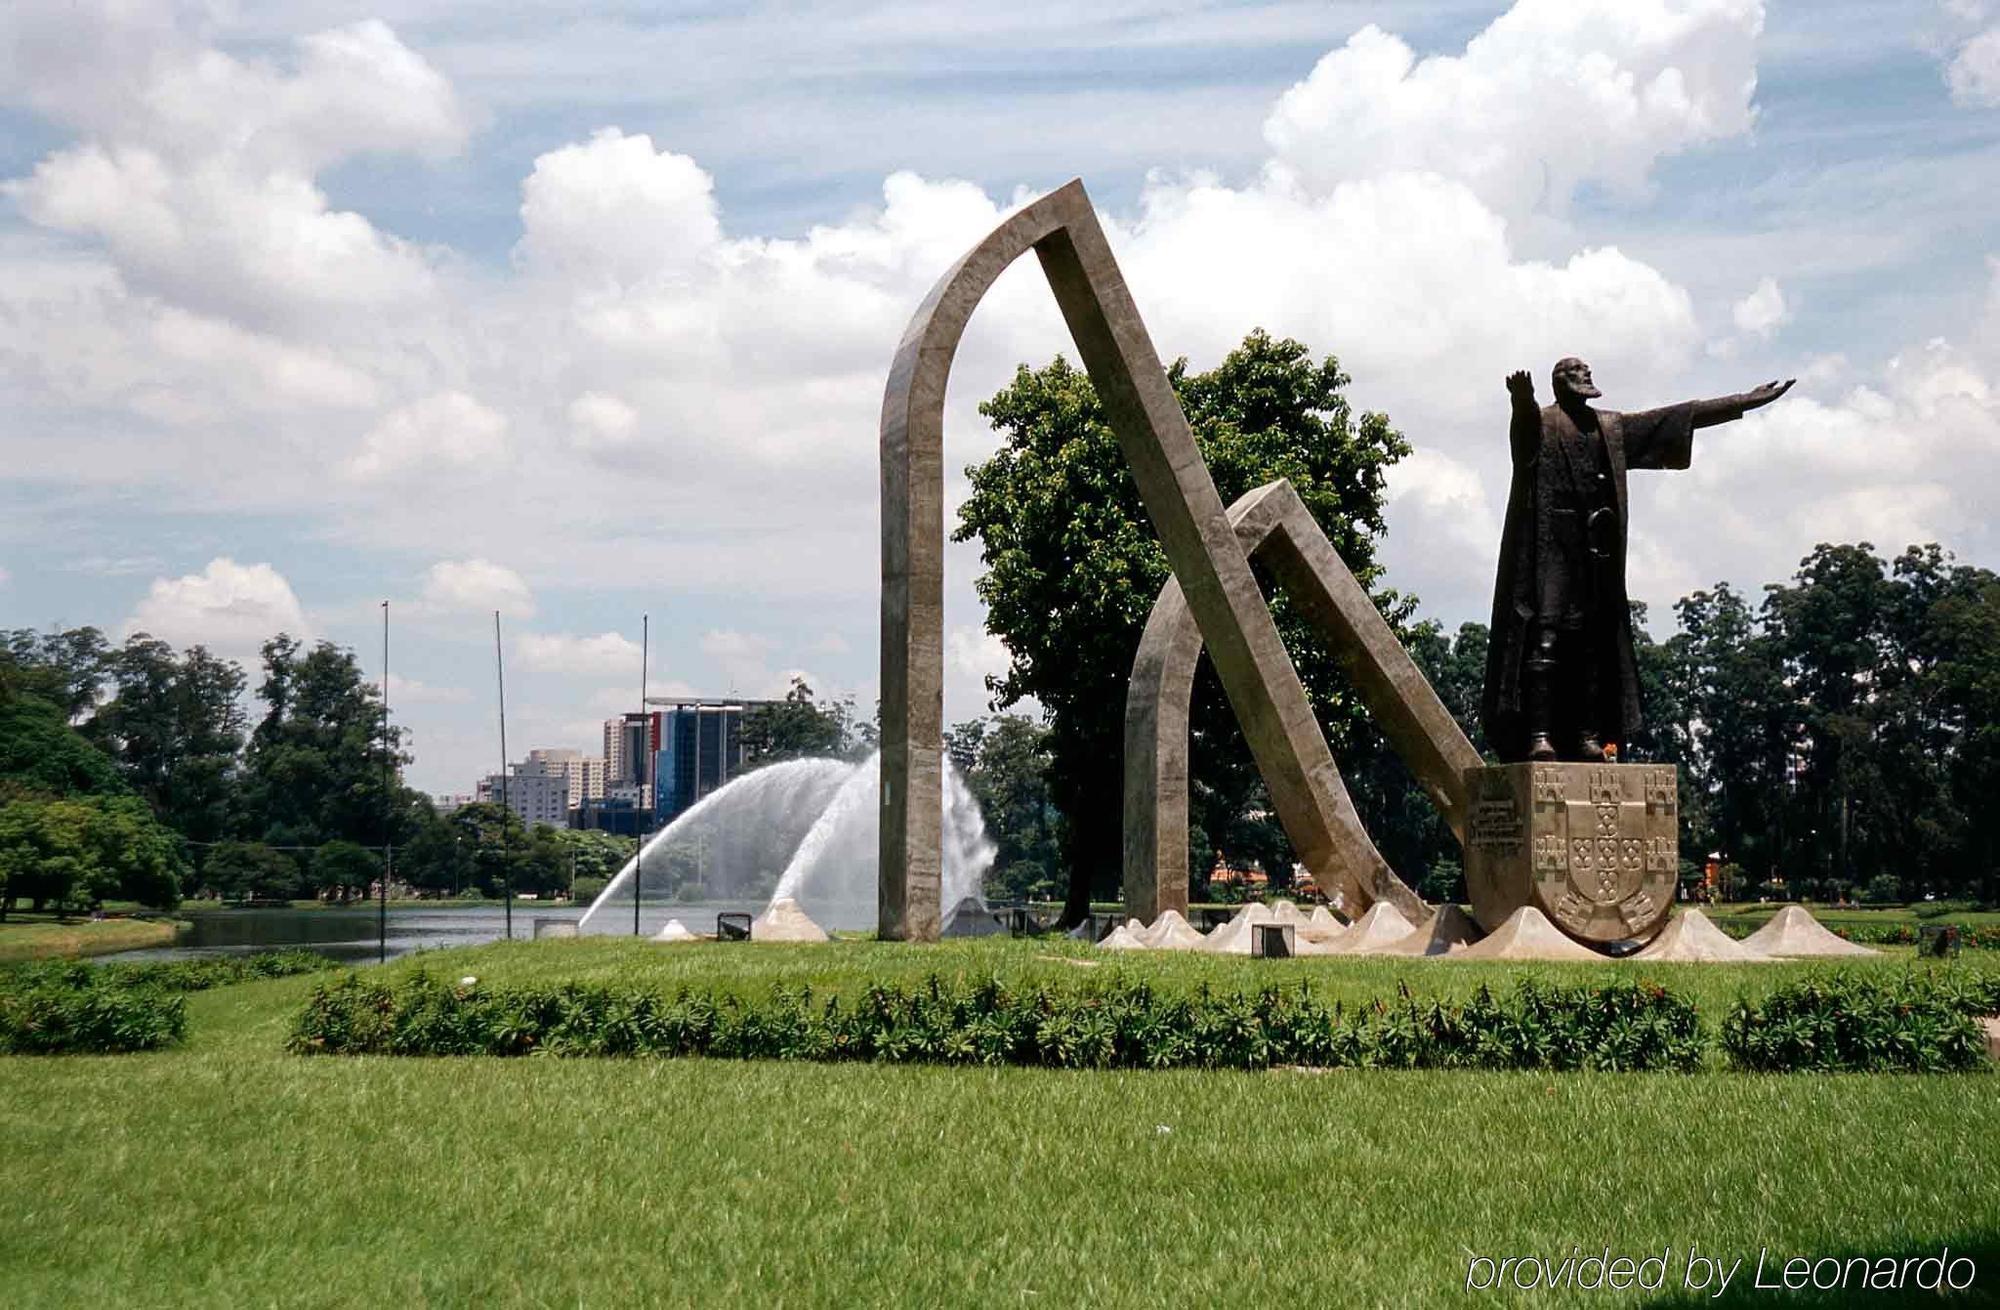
{"points": [[801, 726], [1072, 568]]}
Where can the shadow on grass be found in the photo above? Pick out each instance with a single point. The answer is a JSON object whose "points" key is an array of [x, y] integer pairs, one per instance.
{"points": [[1981, 1247]]}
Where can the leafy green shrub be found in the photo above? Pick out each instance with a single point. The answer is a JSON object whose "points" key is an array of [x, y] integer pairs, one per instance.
{"points": [[1112, 1025], [192, 975], [50, 1016], [50, 1007], [1918, 1023]]}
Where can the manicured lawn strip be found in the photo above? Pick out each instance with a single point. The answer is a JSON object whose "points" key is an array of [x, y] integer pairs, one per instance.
{"points": [[229, 1174], [52, 939]]}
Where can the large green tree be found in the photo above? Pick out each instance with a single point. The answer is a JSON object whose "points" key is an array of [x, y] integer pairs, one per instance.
{"points": [[1004, 760], [801, 726], [73, 853], [175, 725], [1072, 568], [438, 857], [1406, 827], [239, 870], [1838, 737], [344, 869], [319, 760], [65, 668], [72, 831]]}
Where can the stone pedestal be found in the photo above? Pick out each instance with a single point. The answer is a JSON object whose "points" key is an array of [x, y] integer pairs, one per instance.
{"points": [[1596, 847]]}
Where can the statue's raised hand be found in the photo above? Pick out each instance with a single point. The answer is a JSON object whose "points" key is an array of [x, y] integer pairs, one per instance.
{"points": [[1522, 387], [1758, 397]]}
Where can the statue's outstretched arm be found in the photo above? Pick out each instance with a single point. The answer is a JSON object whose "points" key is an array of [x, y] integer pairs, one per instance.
{"points": [[1727, 409], [1525, 428]]}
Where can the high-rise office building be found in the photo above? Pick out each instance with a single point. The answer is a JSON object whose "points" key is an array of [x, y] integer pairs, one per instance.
{"points": [[629, 743], [700, 749]]}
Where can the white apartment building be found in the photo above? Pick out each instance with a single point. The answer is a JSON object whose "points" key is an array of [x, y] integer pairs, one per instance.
{"points": [[537, 796], [585, 772]]}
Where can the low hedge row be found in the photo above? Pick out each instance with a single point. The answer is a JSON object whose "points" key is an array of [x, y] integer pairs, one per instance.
{"points": [[191, 975], [1917, 1023], [50, 1016], [1117, 1026], [56, 1007]]}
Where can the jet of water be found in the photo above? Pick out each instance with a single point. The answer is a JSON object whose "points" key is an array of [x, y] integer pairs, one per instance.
{"points": [[807, 829]]}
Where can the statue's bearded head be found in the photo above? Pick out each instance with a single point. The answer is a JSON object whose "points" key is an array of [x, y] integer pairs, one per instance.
{"points": [[1571, 378]]}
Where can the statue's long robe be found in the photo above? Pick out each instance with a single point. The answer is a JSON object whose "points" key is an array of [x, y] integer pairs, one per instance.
{"points": [[1547, 576]]}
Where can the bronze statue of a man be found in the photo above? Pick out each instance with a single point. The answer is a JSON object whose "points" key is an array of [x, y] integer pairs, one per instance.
{"points": [[1561, 679]]}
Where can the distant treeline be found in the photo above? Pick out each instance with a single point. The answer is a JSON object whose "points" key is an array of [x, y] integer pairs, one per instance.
{"points": [[1835, 739], [1840, 738], [134, 772]]}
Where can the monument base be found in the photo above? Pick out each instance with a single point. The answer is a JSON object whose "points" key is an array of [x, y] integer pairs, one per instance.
{"points": [[1595, 847]]}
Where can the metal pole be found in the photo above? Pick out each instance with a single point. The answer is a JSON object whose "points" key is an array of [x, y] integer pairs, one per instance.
{"points": [[645, 768], [388, 802], [506, 872]]}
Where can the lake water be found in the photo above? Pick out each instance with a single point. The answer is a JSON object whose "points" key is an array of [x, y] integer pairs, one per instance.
{"points": [[352, 934]]}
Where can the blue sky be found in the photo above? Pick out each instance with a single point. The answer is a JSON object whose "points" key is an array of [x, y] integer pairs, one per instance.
{"points": [[473, 306]]}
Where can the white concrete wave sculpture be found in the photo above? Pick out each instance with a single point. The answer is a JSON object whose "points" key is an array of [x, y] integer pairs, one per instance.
{"points": [[1121, 938], [1374, 932], [1528, 935], [1690, 937], [1172, 932], [1447, 932], [1233, 938], [784, 921], [1794, 934], [1322, 925]]}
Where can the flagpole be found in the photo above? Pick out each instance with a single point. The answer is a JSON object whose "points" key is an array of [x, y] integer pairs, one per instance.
{"points": [[388, 803], [506, 870], [645, 768]]}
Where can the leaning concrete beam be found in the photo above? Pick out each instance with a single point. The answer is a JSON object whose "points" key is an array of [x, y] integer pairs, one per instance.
{"points": [[1273, 525], [1180, 497]]}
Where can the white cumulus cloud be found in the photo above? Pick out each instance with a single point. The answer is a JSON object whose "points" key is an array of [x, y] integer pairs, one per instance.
{"points": [[411, 691], [614, 211], [477, 584], [1914, 460], [231, 608], [1973, 74], [1763, 311], [444, 431], [598, 422], [195, 168], [1552, 94], [608, 654]]}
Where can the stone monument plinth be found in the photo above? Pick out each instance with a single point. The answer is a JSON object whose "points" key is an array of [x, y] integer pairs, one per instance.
{"points": [[1595, 847]]}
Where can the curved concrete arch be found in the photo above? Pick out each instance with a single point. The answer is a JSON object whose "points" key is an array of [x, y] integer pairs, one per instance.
{"points": [[1179, 495], [1275, 528], [913, 568]]}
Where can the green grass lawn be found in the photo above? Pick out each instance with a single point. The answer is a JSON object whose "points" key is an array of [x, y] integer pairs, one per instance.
{"points": [[47, 937], [229, 1173]]}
